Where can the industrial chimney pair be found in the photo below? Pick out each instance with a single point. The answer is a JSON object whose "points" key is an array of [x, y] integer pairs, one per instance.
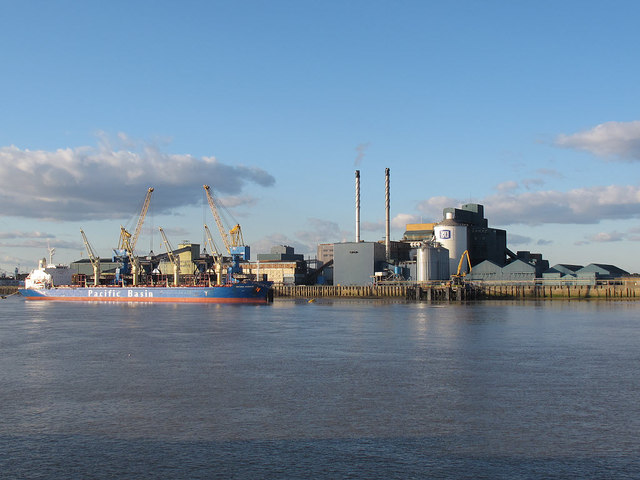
{"points": [[387, 241]]}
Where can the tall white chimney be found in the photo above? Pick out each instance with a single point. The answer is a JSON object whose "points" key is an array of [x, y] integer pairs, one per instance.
{"points": [[387, 241], [357, 206]]}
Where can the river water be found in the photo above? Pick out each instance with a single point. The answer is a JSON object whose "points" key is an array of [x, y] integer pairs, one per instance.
{"points": [[331, 389]]}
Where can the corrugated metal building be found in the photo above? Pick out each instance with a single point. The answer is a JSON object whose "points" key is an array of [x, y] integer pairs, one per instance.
{"points": [[561, 270], [526, 267], [356, 263]]}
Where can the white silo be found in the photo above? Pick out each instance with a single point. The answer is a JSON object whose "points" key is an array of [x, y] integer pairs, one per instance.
{"points": [[452, 236], [432, 262]]}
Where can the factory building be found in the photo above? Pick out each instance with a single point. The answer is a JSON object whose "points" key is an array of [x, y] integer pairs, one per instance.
{"points": [[282, 266], [526, 266], [324, 267], [561, 270], [280, 253], [325, 252], [466, 228], [280, 273], [602, 271], [418, 232], [189, 256], [356, 263], [591, 274], [462, 243]]}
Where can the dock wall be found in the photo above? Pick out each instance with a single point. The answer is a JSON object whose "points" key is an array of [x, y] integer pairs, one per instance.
{"points": [[8, 290], [461, 292], [449, 293]]}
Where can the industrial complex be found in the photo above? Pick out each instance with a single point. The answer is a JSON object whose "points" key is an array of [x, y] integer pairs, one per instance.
{"points": [[460, 248]]}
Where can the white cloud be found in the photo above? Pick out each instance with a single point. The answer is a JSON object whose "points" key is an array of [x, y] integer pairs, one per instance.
{"points": [[401, 220], [611, 140], [110, 181], [432, 207], [588, 205], [605, 237], [578, 206]]}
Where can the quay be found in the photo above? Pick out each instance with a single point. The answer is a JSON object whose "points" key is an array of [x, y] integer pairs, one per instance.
{"points": [[466, 292], [8, 290], [448, 293]]}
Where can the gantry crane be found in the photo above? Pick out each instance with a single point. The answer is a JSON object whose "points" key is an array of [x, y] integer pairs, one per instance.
{"points": [[143, 213], [136, 267], [95, 260], [217, 256], [172, 258], [233, 240]]}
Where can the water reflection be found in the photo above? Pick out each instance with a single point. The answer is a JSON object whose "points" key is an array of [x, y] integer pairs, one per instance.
{"points": [[488, 389]]}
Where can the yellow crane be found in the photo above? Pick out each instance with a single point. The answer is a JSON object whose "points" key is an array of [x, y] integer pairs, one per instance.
{"points": [[133, 239], [217, 257], [136, 268], [233, 238], [172, 258], [95, 260]]}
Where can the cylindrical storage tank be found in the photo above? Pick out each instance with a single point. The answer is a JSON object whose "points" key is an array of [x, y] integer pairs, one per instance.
{"points": [[432, 263], [452, 236]]}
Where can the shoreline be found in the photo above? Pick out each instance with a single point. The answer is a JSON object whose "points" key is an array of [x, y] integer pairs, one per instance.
{"points": [[448, 293]]}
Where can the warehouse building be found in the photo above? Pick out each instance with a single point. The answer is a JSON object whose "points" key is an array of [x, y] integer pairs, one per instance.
{"points": [[356, 263], [526, 266]]}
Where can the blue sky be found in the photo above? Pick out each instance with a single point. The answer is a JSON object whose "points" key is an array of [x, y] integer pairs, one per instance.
{"points": [[530, 108]]}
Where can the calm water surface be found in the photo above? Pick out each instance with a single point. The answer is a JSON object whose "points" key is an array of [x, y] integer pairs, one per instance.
{"points": [[347, 389]]}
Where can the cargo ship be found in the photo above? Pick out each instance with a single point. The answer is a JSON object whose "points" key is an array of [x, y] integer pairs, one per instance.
{"points": [[39, 285], [138, 280], [245, 292]]}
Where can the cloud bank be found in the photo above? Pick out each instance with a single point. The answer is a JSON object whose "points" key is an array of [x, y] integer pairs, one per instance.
{"points": [[611, 140], [588, 205], [107, 181]]}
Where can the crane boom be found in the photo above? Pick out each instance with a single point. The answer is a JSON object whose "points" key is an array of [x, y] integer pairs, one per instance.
{"points": [[172, 258], [95, 260], [143, 214], [216, 216], [136, 267], [133, 239], [217, 258], [210, 241]]}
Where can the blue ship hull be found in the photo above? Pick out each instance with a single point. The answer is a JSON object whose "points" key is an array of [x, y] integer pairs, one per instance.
{"points": [[251, 292]]}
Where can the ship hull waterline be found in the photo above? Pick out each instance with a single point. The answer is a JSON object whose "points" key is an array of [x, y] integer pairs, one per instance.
{"points": [[235, 293]]}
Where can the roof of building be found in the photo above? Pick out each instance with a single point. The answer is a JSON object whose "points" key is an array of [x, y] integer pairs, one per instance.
{"points": [[412, 227], [603, 269]]}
